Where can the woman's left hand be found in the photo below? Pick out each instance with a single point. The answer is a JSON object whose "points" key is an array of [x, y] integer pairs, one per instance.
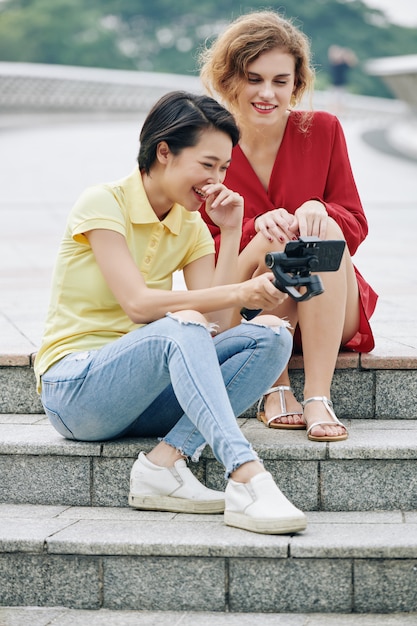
{"points": [[312, 219], [223, 206]]}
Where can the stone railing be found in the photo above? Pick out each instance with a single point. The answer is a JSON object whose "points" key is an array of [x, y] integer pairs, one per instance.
{"points": [[400, 75], [32, 87], [32, 91], [37, 88]]}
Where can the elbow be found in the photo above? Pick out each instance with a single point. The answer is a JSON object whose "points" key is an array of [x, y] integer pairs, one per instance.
{"points": [[139, 319], [139, 305], [353, 244], [361, 237], [137, 312]]}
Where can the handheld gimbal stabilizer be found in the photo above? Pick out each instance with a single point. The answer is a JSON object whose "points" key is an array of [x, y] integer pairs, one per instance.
{"points": [[292, 268]]}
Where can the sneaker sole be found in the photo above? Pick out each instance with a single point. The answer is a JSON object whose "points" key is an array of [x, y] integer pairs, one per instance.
{"points": [[175, 505], [267, 527]]}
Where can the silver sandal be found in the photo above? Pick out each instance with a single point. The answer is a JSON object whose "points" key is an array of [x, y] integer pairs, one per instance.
{"points": [[271, 423], [329, 406]]}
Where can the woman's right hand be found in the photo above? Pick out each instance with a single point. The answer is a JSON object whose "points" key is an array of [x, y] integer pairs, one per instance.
{"points": [[260, 293], [276, 225]]}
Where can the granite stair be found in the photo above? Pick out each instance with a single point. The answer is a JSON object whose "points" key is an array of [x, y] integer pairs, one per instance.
{"points": [[68, 538]]}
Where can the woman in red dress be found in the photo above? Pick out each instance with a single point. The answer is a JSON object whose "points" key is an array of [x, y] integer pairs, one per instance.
{"points": [[293, 170]]}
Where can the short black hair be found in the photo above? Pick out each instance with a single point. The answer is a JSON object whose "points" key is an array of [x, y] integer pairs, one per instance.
{"points": [[179, 118]]}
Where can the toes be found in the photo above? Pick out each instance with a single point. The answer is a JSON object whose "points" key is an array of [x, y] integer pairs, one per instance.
{"points": [[330, 430], [294, 420], [297, 419]]}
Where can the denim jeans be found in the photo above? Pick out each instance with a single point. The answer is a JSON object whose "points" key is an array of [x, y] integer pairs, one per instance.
{"points": [[168, 379]]}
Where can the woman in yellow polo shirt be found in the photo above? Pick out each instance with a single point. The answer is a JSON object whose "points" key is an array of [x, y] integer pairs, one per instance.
{"points": [[125, 355]]}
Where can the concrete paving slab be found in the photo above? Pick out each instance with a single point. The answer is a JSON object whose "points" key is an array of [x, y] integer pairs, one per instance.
{"points": [[112, 531], [385, 439], [34, 616], [362, 541], [29, 534], [42, 439], [178, 538]]}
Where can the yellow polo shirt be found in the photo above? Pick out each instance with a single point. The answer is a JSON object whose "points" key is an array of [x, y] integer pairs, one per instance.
{"points": [[83, 313]]}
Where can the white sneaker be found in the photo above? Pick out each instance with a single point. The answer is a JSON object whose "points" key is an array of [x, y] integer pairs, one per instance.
{"points": [[261, 507], [173, 489]]}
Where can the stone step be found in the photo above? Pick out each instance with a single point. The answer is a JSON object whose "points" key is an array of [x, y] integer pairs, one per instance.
{"points": [[379, 385], [374, 469], [62, 616], [121, 559]]}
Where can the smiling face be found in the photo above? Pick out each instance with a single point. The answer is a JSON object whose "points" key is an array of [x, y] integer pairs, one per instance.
{"points": [[266, 92], [185, 174]]}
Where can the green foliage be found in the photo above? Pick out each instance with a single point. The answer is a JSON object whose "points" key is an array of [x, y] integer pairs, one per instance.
{"points": [[57, 31], [165, 36]]}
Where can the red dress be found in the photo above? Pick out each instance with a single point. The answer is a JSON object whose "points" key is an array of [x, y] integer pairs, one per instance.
{"points": [[311, 165]]}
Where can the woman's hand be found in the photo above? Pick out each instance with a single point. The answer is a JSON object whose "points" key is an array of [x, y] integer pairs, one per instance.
{"points": [[260, 293], [276, 225], [223, 206], [312, 218]]}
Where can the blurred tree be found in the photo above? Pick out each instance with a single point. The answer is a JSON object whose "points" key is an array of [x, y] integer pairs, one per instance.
{"points": [[165, 36], [57, 31]]}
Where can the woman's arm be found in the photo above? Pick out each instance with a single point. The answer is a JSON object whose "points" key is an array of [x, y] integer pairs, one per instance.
{"points": [[339, 195], [342, 201], [204, 273], [225, 208], [143, 305]]}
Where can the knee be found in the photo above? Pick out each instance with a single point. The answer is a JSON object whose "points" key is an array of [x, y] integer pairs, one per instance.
{"points": [[252, 258], [273, 321], [190, 316], [333, 230]]}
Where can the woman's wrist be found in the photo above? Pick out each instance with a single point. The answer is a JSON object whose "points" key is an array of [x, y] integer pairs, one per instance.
{"points": [[232, 234]]}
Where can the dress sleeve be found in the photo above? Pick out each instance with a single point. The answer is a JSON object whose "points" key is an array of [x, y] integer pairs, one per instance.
{"points": [[340, 196]]}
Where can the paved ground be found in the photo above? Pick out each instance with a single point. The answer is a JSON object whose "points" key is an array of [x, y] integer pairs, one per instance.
{"points": [[46, 162]]}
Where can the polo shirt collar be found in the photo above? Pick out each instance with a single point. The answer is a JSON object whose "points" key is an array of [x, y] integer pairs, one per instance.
{"points": [[140, 209]]}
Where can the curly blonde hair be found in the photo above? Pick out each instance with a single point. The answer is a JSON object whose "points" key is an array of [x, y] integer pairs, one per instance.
{"points": [[223, 65]]}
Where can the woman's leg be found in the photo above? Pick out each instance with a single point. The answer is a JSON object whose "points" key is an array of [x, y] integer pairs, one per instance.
{"points": [[252, 499], [241, 353], [97, 395], [182, 352], [100, 395], [251, 263], [250, 357], [326, 322]]}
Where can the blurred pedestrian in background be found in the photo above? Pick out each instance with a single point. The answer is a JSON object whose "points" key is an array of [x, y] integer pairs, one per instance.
{"points": [[341, 60]]}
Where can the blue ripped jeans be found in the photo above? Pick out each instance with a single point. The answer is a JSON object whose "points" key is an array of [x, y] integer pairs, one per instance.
{"points": [[168, 379]]}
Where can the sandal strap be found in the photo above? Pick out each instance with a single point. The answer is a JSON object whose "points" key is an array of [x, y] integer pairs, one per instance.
{"points": [[329, 406], [281, 389], [277, 388]]}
